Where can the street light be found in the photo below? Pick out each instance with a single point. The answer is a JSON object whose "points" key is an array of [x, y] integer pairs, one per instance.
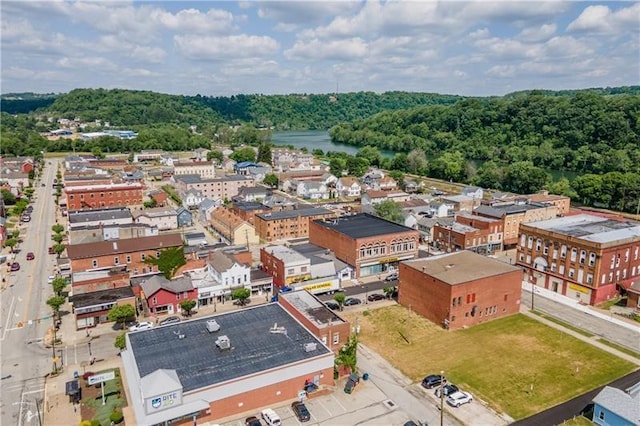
{"points": [[442, 381], [366, 294]]}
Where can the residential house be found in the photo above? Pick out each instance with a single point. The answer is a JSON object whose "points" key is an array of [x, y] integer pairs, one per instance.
{"points": [[131, 174], [312, 190], [192, 198], [200, 154], [17, 181], [441, 208], [195, 239], [462, 203], [253, 193], [615, 407], [185, 217], [372, 197], [159, 196], [206, 208], [231, 228], [148, 155], [228, 165], [224, 188], [348, 186], [130, 253], [163, 296], [474, 192], [164, 218]]}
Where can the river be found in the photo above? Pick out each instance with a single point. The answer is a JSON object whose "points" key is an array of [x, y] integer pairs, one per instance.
{"points": [[319, 139]]}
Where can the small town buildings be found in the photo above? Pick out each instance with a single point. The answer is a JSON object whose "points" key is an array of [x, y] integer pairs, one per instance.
{"points": [[312, 190], [247, 210], [182, 372], [563, 203], [223, 188], [367, 243], [162, 296], [195, 239], [104, 196], [282, 225], [130, 253], [252, 193], [93, 233], [204, 169], [231, 228], [586, 257], [469, 232], [462, 203], [285, 265], [633, 295], [206, 208], [192, 198], [99, 217], [615, 407], [348, 186], [164, 218], [513, 214], [91, 309], [159, 196], [372, 197], [148, 155], [185, 217], [460, 289], [474, 192]]}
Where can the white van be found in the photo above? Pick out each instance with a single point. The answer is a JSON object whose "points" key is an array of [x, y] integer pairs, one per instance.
{"points": [[271, 417]]}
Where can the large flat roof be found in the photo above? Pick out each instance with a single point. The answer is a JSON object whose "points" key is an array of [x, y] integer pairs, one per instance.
{"points": [[199, 363], [591, 228], [288, 214], [363, 225], [461, 267]]}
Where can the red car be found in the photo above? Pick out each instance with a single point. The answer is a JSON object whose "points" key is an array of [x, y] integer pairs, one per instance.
{"points": [[51, 251], [30, 256], [15, 266]]}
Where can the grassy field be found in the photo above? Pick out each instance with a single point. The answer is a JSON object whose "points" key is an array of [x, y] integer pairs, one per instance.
{"points": [[516, 364], [578, 421]]}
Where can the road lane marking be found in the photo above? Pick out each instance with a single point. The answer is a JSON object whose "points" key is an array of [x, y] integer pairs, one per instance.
{"points": [[6, 325]]}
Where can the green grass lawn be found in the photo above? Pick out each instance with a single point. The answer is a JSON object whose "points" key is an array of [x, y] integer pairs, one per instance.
{"points": [[578, 421], [516, 364], [114, 400]]}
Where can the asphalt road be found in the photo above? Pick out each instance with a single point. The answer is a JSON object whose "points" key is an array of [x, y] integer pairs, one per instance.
{"points": [[595, 325], [558, 414], [25, 317]]}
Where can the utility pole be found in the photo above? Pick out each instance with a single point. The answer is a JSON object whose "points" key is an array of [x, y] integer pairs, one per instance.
{"points": [[442, 382]]}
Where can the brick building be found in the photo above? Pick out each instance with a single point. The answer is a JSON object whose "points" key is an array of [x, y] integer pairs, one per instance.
{"points": [[469, 232], [205, 169], [367, 243], [585, 257], [219, 188], [287, 224], [104, 196], [460, 289], [233, 228], [513, 214], [131, 253], [285, 265]]}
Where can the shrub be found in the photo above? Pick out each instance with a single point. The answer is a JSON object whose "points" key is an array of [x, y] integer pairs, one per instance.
{"points": [[95, 422], [88, 374], [116, 417], [86, 423]]}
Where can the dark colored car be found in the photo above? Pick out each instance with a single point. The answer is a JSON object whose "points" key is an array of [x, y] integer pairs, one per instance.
{"points": [[15, 266], [375, 296], [51, 250], [30, 256], [252, 421], [352, 301], [432, 381], [332, 305], [301, 411], [448, 389], [392, 277], [170, 320], [352, 381]]}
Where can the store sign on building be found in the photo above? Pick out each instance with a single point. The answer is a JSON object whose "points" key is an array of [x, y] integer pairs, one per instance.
{"points": [[164, 401]]}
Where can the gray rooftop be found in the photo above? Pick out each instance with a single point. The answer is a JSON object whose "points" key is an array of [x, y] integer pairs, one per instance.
{"points": [[591, 228], [98, 215], [101, 297], [499, 210], [363, 225], [288, 214], [625, 405], [199, 363], [312, 308]]}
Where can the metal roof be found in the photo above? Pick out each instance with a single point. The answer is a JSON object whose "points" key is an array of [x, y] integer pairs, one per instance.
{"points": [[287, 214], [591, 228], [199, 363]]}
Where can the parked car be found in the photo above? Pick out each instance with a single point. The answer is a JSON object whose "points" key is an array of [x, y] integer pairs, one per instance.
{"points": [[31, 256], [51, 250], [26, 218], [15, 266], [448, 389], [270, 417], [144, 325], [352, 382], [432, 381], [252, 421], [375, 296], [458, 398], [332, 305], [392, 277], [50, 279], [170, 320], [301, 412], [352, 301]]}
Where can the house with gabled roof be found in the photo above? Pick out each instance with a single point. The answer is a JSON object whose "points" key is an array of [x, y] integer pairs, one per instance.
{"points": [[165, 218], [348, 186], [617, 407], [184, 216], [163, 296], [232, 228], [192, 198], [312, 190]]}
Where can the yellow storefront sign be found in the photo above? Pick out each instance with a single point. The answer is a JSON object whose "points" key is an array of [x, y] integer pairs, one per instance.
{"points": [[318, 286], [388, 260], [578, 288]]}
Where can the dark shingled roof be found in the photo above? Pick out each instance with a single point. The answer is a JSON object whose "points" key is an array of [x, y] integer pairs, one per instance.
{"points": [[199, 363], [101, 297], [363, 225], [128, 245]]}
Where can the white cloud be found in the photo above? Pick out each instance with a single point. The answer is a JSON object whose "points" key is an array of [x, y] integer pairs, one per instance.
{"points": [[223, 48], [192, 20], [96, 63], [348, 50], [600, 19], [303, 13], [154, 55], [538, 33]]}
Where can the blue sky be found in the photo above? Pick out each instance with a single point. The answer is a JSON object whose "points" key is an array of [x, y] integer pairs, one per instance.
{"points": [[271, 47]]}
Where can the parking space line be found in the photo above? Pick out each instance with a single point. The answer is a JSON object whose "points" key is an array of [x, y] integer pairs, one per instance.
{"points": [[338, 402], [324, 408]]}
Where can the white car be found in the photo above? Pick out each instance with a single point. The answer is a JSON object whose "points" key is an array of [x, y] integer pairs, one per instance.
{"points": [[50, 279], [144, 325], [456, 399]]}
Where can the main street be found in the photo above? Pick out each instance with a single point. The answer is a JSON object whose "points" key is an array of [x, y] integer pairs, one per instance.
{"points": [[25, 317]]}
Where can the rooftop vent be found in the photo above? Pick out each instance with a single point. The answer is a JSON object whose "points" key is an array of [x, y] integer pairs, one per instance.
{"points": [[223, 343], [213, 326], [310, 347], [278, 330]]}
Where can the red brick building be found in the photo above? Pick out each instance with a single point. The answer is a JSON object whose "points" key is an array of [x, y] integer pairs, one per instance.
{"points": [[460, 289], [367, 243], [89, 282], [159, 196], [287, 224], [586, 257], [130, 253], [101, 196]]}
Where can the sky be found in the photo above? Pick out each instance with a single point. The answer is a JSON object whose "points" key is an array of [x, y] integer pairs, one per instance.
{"points": [[223, 48]]}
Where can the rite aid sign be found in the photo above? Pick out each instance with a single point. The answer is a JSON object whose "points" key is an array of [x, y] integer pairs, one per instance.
{"points": [[99, 378], [164, 401]]}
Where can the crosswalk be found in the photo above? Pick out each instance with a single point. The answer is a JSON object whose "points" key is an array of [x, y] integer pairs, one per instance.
{"points": [[23, 401]]}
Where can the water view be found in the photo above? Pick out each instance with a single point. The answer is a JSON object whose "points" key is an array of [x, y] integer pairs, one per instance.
{"points": [[319, 139]]}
